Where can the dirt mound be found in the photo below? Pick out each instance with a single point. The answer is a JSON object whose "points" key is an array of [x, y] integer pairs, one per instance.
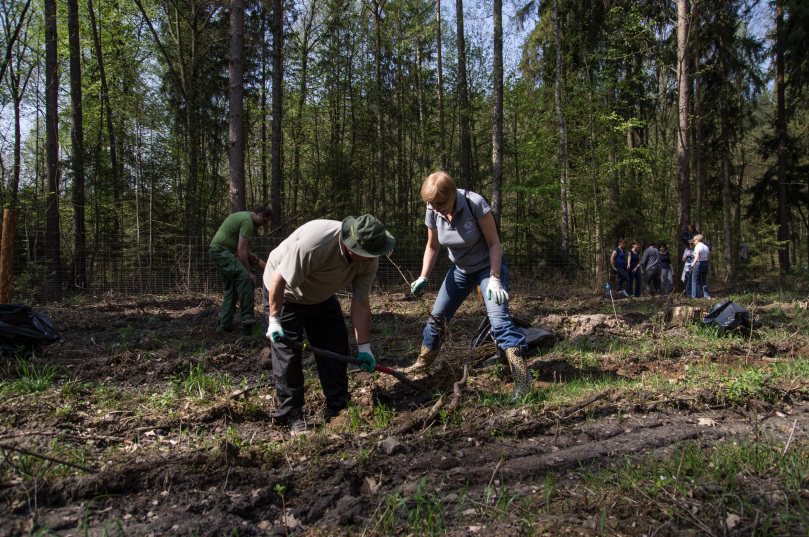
{"points": [[592, 327]]}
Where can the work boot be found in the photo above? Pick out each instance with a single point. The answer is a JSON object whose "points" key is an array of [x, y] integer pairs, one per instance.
{"points": [[298, 426], [424, 362], [523, 383]]}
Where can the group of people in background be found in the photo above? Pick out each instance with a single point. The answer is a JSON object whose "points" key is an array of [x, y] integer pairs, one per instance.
{"points": [[654, 269]]}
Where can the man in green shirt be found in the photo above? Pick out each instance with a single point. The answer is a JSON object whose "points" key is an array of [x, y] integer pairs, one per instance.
{"points": [[229, 251]]}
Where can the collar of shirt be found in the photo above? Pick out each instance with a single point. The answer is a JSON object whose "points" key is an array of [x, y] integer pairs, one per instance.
{"points": [[460, 204]]}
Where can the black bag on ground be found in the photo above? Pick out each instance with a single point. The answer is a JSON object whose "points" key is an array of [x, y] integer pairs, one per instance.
{"points": [[535, 338], [727, 315], [24, 330]]}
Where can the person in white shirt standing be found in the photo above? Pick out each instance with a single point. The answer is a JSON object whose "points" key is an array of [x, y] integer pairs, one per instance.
{"points": [[699, 269]]}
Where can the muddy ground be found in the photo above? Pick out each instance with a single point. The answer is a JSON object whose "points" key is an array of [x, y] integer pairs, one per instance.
{"points": [[169, 421]]}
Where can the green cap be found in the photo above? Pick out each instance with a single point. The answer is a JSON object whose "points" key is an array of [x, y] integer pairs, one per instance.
{"points": [[366, 236]]}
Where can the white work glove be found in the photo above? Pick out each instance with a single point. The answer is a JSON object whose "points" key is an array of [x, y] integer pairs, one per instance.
{"points": [[365, 356], [495, 292], [417, 287], [274, 330]]}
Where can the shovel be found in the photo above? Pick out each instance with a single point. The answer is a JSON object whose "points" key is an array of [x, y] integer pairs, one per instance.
{"points": [[349, 360]]}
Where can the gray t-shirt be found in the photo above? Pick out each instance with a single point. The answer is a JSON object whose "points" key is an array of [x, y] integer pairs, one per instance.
{"points": [[314, 266], [651, 257], [463, 237]]}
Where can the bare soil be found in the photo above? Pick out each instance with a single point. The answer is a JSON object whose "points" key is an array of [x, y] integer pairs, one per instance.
{"points": [[168, 462]]}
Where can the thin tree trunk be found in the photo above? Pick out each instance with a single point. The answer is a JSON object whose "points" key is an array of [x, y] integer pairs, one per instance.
{"points": [[697, 116], [77, 147], [497, 126], [298, 131], [52, 247], [378, 100], [238, 196], [442, 149], [463, 102], [725, 145], [560, 121], [263, 115], [781, 127], [277, 110], [683, 172], [105, 97]]}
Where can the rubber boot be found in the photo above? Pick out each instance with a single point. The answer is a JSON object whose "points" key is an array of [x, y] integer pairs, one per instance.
{"points": [[424, 362], [523, 382]]}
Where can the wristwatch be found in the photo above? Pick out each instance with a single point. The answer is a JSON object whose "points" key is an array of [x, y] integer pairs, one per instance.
{"points": [[494, 274]]}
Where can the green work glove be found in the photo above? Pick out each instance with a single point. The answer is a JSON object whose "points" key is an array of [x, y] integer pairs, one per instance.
{"points": [[274, 331], [417, 287], [366, 357]]}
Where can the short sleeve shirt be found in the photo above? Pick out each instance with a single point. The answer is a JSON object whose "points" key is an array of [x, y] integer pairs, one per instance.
{"points": [[463, 237], [236, 225], [314, 266], [701, 251]]}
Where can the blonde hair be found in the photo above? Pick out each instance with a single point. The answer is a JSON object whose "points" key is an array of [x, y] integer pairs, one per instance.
{"points": [[698, 237], [438, 185]]}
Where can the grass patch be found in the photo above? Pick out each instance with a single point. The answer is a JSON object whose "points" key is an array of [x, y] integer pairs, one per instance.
{"points": [[754, 480], [196, 383], [30, 378], [422, 513]]}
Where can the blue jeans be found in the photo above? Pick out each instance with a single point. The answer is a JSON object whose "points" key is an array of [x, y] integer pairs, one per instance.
{"points": [[454, 290], [688, 284], [699, 277]]}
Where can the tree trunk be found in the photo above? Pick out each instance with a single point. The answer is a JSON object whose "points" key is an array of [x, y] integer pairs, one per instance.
{"points": [[781, 127], [724, 135], [52, 247], [381, 174], [442, 149], [497, 126], [105, 97], [263, 147], [463, 102], [697, 116], [277, 109], [683, 172], [238, 197], [297, 132], [77, 147], [560, 121]]}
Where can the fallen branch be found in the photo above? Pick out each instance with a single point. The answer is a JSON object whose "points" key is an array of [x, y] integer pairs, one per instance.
{"points": [[239, 393], [569, 411], [46, 458], [428, 419]]}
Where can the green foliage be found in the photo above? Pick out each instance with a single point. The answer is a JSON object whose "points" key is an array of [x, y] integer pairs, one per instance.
{"points": [[31, 377], [199, 384]]}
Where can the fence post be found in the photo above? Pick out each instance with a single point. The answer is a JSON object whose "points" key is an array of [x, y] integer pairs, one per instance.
{"points": [[7, 254]]}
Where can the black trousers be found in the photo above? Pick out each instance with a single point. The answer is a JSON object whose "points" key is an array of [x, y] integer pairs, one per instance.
{"points": [[326, 329]]}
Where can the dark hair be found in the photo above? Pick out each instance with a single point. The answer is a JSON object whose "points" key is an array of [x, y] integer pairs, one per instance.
{"points": [[663, 245], [263, 210], [618, 242]]}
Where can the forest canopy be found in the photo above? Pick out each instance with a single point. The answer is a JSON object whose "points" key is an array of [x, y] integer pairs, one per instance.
{"points": [[580, 121]]}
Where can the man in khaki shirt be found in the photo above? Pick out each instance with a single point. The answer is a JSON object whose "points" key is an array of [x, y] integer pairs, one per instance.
{"points": [[302, 276]]}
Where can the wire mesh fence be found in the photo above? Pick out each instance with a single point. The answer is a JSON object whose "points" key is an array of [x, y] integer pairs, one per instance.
{"points": [[174, 264]]}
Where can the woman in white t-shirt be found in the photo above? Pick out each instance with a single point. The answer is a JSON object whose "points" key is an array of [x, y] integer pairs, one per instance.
{"points": [[699, 269]]}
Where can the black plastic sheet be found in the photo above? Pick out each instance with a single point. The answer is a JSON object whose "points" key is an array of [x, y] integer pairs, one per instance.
{"points": [[727, 315], [24, 330]]}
